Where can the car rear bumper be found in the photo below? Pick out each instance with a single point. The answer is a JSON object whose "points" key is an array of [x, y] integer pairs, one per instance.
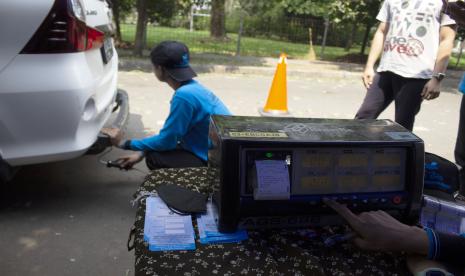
{"points": [[103, 141], [52, 107]]}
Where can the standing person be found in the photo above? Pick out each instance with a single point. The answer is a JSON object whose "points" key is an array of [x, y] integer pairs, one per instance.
{"points": [[456, 10], [459, 151], [415, 40], [183, 140]]}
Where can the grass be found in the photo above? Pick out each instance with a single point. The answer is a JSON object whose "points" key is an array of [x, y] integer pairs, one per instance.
{"points": [[453, 62], [199, 42]]}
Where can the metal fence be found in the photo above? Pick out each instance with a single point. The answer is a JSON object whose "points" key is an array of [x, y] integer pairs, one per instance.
{"points": [[251, 36]]}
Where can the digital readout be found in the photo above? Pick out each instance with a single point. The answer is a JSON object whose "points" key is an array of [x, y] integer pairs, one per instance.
{"points": [[386, 182], [316, 161], [352, 181], [353, 160], [387, 160], [315, 183], [333, 170]]}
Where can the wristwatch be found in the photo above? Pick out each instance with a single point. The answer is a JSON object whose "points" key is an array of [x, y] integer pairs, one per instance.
{"points": [[439, 76], [433, 271]]}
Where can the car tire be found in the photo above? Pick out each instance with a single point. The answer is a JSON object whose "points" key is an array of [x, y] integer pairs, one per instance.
{"points": [[6, 172]]}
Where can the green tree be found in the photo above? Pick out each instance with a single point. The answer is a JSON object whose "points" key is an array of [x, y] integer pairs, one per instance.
{"points": [[356, 12], [257, 6], [121, 9], [150, 11], [317, 8], [184, 6], [161, 10]]}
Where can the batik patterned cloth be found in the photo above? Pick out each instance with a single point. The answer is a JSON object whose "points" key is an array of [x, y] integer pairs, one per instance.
{"points": [[266, 252]]}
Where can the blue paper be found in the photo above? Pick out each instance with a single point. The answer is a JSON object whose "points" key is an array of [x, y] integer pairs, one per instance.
{"points": [[208, 229]]}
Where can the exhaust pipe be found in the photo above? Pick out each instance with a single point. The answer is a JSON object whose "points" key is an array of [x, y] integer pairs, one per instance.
{"points": [[103, 141]]}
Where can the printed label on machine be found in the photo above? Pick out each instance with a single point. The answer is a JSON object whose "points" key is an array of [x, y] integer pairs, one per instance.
{"points": [[401, 135], [272, 180], [256, 134]]}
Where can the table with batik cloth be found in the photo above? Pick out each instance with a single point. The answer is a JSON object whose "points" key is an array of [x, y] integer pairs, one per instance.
{"points": [[266, 252]]}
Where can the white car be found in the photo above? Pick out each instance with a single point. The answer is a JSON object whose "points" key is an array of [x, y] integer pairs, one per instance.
{"points": [[58, 79]]}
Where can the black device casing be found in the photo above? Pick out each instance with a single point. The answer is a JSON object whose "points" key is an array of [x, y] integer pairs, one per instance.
{"points": [[231, 135]]}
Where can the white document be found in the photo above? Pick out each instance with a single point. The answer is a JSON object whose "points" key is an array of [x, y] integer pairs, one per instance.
{"points": [[443, 216], [166, 230], [209, 220], [272, 180]]}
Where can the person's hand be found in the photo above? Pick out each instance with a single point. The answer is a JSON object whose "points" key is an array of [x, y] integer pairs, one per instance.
{"points": [[377, 230], [115, 134], [431, 90], [128, 161], [368, 76]]}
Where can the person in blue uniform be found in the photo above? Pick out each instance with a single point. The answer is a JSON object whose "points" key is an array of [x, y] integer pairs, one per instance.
{"points": [[183, 140]]}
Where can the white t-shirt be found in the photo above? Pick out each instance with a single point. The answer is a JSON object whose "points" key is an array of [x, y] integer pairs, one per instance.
{"points": [[412, 41]]}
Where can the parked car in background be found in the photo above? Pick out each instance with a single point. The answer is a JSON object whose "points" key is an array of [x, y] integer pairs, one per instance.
{"points": [[58, 79]]}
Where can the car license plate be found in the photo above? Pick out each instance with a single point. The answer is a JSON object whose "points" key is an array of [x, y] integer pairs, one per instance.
{"points": [[107, 50]]}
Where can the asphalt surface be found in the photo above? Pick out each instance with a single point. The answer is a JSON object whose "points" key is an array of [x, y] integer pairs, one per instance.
{"points": [[73, 217]]}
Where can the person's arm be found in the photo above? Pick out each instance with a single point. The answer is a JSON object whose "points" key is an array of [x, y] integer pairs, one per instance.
{"points": [[376, 49], [450, 248], [380, 231], [175, 127], [447, 37]]}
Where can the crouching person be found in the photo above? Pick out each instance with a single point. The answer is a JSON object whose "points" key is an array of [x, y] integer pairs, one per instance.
{"points": [[183, 140]]}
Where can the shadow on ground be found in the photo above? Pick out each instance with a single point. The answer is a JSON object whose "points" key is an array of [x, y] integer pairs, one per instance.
{"points": [[71, 217]]}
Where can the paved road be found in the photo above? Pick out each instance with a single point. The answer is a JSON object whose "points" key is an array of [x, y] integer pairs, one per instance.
{"points": [[73, 217], [319, 98]]}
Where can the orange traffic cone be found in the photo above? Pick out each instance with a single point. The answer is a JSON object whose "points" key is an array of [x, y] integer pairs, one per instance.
{"points": [[276, 105]]}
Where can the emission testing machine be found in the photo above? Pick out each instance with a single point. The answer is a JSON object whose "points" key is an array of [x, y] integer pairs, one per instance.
{"points": [[275, 172]]}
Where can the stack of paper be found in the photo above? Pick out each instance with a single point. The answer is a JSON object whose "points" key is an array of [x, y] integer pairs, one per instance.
{"points": [[272, 180], [208, 229], [443, 216], [166, 230]]}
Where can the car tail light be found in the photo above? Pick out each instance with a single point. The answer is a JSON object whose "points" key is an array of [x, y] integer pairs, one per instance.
{"points": [[64, 31]]}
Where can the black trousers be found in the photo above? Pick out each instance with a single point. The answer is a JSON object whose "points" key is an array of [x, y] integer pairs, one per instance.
{"points": [[177, 158], [388, 87], [459, 151]]}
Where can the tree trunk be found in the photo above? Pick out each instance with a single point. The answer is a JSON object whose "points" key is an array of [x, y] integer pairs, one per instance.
{"points": [[141, 30], [365, 39], [350, 40], [116, 17], [217, 20]]}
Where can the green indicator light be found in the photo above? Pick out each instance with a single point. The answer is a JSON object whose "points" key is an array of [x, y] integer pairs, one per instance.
{"points": [[269, 155]]}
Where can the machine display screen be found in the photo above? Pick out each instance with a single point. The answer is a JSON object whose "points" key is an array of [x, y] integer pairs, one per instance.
{"points": [[337, 170], [328, 171]]}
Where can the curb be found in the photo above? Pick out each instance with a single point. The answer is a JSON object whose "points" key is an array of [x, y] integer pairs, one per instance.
{"points": [[146, 66], [314, 70]]}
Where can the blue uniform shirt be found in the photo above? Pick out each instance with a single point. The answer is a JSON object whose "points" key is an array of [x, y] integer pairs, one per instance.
{"points": [[187, 123], [462, 85]]}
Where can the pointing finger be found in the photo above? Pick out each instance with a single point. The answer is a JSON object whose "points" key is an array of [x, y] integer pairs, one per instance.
{"points": [[344, 212]]}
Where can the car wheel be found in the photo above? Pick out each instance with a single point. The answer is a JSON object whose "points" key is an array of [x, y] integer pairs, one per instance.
{"points": [[6, 172]]}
